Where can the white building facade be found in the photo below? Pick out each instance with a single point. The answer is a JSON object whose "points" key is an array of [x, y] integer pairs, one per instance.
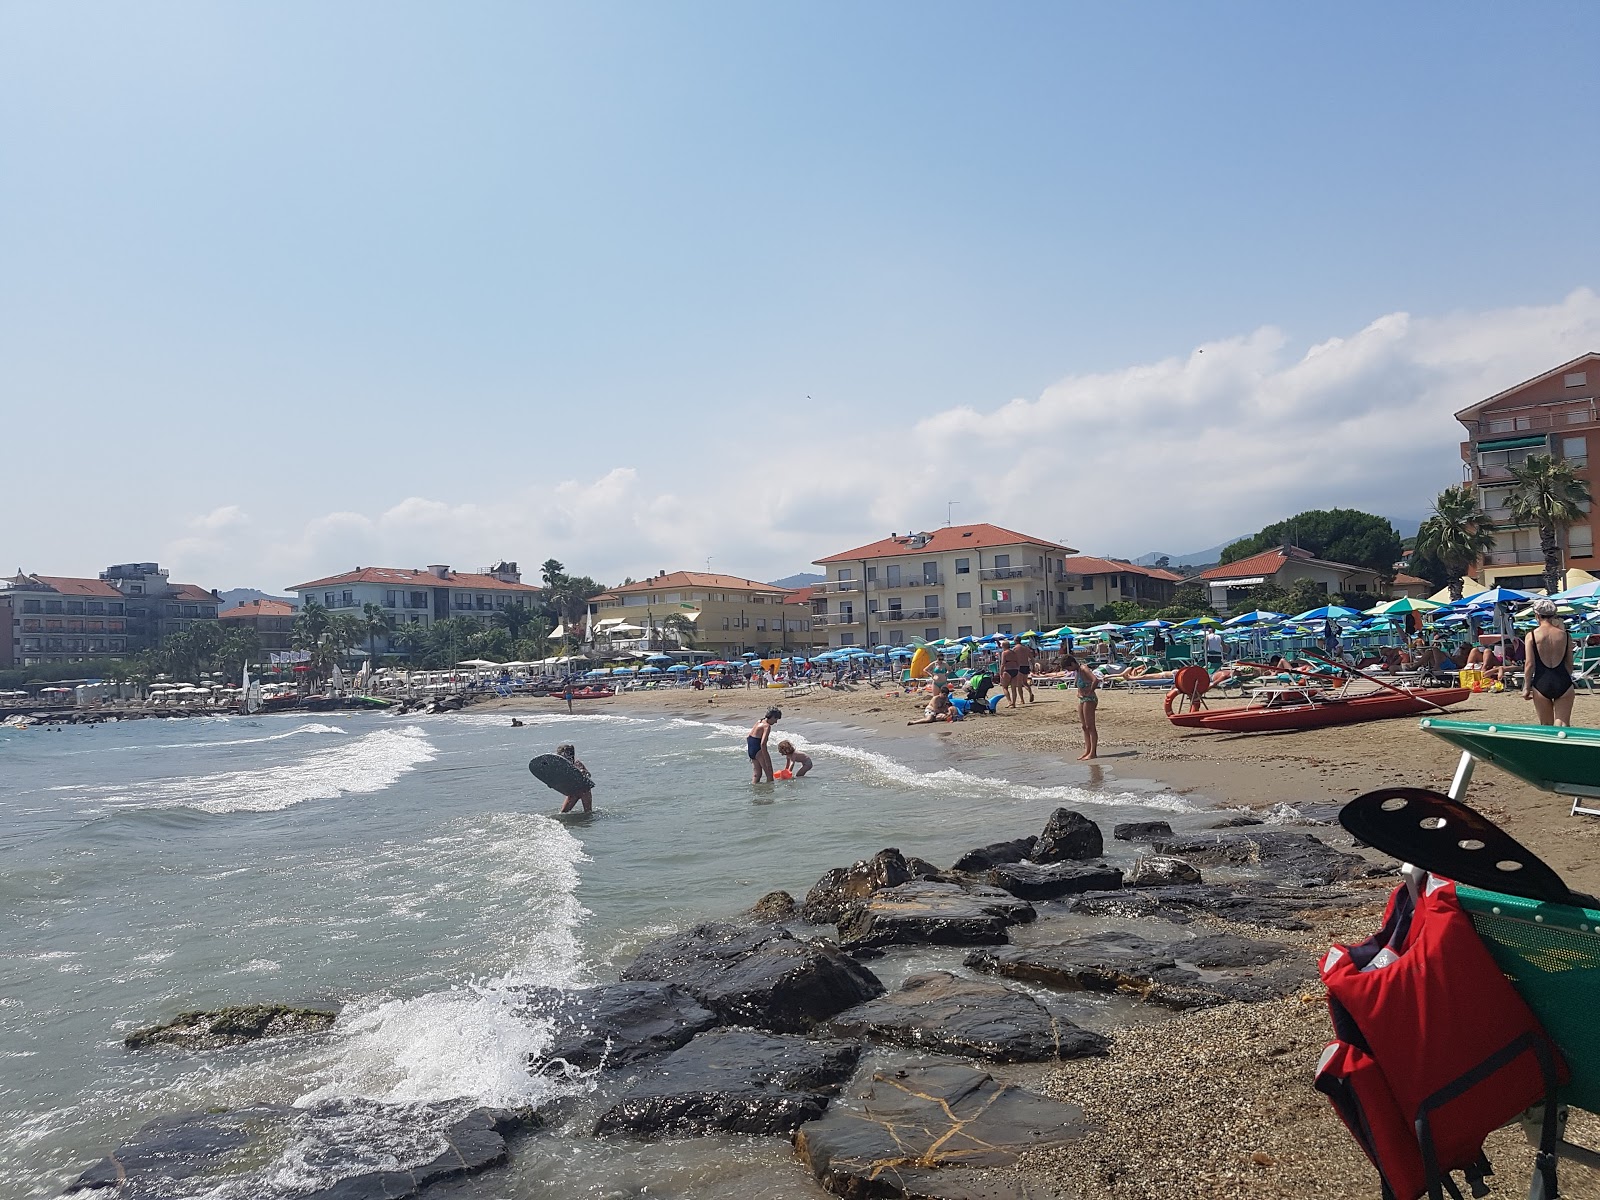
{"points": [[413, 597]]}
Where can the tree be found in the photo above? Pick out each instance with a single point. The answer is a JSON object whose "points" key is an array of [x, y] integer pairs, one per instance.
{"points": [[1548, 495], [238, 646], [1343, 535], [681, 628], [309, 626], [1454, 537], [412, 639], [376, 624], [514, 618], [552, 572]]}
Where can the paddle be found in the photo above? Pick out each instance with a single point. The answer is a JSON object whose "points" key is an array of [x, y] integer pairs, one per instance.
{"points": [[1399, 691], [1445, 837]]}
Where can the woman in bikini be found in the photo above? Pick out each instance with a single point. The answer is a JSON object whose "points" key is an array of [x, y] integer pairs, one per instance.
{"points": [[755, 745], [1549, 687], [1088, 704]]}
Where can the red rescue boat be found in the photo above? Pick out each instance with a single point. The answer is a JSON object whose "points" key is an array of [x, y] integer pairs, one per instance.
{"points": [[1307, 709]]}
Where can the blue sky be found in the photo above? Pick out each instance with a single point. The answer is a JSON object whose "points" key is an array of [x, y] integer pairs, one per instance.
{"points": [[292, 288]]}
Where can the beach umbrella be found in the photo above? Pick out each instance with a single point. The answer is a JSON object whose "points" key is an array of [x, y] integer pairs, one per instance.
{"points": [[623, 670], [1106, 627], [649, 670], [595, 674], [1153, 623], [1582, 591], [1259, 617], [1492, 596], [674, 670], [749, 654], [1198, 622], [657, 659], [1406, 604], [1328, 612]]}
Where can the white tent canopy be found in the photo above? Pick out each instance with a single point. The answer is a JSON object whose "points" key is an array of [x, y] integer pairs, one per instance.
{"points": [[478, 662]]}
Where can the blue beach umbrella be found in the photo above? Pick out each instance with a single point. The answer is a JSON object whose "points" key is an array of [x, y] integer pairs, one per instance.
{"points": [[680, 668], [1259, 617], [1328, 612], [1153, 623], [1496, 595]]}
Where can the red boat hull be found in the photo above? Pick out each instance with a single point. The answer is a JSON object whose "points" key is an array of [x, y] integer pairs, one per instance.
{"points": [[1375, 707]]}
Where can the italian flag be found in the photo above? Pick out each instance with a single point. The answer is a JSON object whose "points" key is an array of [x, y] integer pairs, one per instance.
{"points": [[1001, 595]]}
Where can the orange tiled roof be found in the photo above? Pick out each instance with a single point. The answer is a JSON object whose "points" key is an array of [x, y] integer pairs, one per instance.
{"points": [[951, 537], [1088, 564], [69, 586], [405, 577], [258, 608], [1405, 580], [188, 591], [692, 579], [1268, 562]]}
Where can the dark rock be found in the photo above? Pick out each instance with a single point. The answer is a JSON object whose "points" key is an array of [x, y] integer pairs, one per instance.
{"points": [[1141, 831], [1238, 822], [617, 1023], [994, 855], [1068, 834], [758, 976], [1123, 962], [734, 1081], [921, 868], [234, 1026], [928, 913], [1127, 904], [242, 1145], [946, 1013], [831, 894], [1289, 856], [1222, 951], [1247, 902], [1160, 870], [929, 1131], [1314, 813], [1055, 880], [774, 906]]}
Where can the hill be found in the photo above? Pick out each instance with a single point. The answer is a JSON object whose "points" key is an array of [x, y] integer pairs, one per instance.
{"points": [[803, 579]]}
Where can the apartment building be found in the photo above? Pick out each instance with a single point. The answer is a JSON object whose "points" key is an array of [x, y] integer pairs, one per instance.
{"points": [[1103, 581], [57, 619], [1552, 414], [955, 581], [1287, 566], [420, 597], [729, 614], [272, 621]]}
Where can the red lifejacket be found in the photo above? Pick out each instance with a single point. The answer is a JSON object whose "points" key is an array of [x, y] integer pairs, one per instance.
{"points": [[1435, 1048]]}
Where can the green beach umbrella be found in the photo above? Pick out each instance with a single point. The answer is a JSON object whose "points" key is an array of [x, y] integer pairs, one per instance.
{"points": [[1406, 604]]}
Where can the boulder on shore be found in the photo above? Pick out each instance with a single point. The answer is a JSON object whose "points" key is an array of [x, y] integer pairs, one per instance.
{"points": [[1126, 963], [831, 894], [774, 906], [1140, 831], [932, 913], [1051, 882], [934, 1131], [734, 1081], [1161, 870], [617, 1024], [235, 1026], [948, 1014], [1248, 902], [995, 854], [1068, 834], [758, 975], [1290, 856]]}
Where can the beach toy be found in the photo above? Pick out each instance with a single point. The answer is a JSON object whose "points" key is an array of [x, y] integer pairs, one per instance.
{"points": [[783, 774], [921, 659]]}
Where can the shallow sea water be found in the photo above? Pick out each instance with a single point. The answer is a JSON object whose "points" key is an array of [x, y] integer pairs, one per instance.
{"points": [[412, 872]]}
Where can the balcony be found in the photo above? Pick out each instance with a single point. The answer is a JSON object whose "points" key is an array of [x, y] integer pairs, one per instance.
{"points": [[1004, 607], [841, 585], [907, 582], [837, 620], [1537, 421], [1508, 558], [1020, 571], [911, 614]]}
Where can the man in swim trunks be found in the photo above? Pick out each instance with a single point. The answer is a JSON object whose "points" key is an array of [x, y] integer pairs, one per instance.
{"points": [[939, 708], [1028, 654], [1010, 672], [755, 745], [570, 752]]}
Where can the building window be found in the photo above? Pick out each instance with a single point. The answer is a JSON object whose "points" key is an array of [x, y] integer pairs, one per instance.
{"points": [[327, 599], [1580, 541], [1361, 587], [845, 575], [1509, 424], [391, 599], [872, 606], [419, 599], [1577, 416], [963, 599], [115, 644], [761, 624], [897, 637], [963, 630], [963, 566], [32, 606], [1004, 629], [52, 606], [872, 574], [930, 635], [930, 604], [115, 608], [725, 622], [95, 607], [1575, 378], [891, 575], [930, 572], [847, 639], [75, 607], [1575, 450]]}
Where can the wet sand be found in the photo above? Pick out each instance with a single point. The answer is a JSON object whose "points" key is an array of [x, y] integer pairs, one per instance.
{"points": [[1219, 1102]]}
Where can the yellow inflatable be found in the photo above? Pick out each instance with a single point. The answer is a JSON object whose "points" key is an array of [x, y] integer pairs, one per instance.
{"points": [[921, 660]]}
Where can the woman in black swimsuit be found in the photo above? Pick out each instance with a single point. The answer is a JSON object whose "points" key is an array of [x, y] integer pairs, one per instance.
{"points": [[1550, 688]]}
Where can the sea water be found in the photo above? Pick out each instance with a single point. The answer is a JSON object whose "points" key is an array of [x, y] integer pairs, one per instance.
{"points": [[410, 872]]}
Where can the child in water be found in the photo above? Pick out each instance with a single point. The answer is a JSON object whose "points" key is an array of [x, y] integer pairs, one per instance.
{"points": [[755, 745], [791, 756], [570, 752]]}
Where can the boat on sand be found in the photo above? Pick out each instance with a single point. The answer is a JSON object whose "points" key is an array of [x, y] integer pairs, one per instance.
{"points": [[1302, 708]]}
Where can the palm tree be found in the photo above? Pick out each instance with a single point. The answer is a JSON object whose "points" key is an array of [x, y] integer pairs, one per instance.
{"points": [[309, 626], [1458, 534], [514, 618], [413, 639], [681, 628], [376, 623], [1550, 496]]}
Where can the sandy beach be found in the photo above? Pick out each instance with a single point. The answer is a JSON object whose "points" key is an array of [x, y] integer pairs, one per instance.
{"points": [[1217, 1102]]}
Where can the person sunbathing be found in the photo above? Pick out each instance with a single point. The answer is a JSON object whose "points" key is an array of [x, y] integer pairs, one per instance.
{"points": [[939, 709]]}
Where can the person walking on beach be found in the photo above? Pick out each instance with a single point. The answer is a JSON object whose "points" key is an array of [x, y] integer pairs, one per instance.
{"points": [[1028, 655], [755, 745], [1088, 685], [1010, 672], [586, 795], [1549, 687]]}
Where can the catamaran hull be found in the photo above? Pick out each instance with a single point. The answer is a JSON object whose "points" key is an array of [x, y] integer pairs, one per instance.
{"points": [[1376, 707]]}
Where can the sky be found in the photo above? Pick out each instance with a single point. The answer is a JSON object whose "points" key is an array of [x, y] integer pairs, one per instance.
{"points": [[287, 289]]}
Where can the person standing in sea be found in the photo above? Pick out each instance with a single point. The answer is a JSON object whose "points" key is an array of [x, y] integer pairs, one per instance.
{"points": [[755, 745], [1088, 685]]}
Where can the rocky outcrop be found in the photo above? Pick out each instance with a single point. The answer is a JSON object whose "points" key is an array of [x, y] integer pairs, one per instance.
{"points": [[1125, 963], [1290, 857], [1055, 880], [758, 975], [234, 1144], [234, 1026], [995, 854], [1160, 870], [940, 1132], [1068, 835], [931, 913], [617, 1024], [921, 868], [734, 1081], [1245, 903], [1239, 822], [1140, 831], [836, 890], [946, 1013], [774, 906]]}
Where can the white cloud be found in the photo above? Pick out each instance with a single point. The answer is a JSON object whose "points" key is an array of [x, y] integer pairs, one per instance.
{"points": [[1171, 455]]}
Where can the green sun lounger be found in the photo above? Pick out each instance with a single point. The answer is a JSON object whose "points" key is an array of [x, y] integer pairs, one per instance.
{"points": [[1564, 761]]}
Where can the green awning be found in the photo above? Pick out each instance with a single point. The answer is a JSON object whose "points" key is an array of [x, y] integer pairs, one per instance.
{"points": [[1515, 443]]}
